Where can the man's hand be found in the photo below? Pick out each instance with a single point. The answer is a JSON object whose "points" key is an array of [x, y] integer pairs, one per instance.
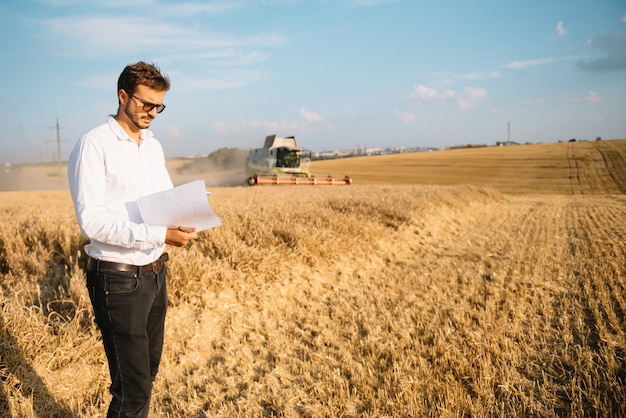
{"points": [[179, 236]]}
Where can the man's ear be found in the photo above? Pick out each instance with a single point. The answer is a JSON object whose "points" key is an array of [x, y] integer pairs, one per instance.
{"points": [[122, 96]]}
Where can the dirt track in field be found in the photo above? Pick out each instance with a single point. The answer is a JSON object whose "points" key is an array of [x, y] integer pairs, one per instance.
{"points": [[599, 170]]}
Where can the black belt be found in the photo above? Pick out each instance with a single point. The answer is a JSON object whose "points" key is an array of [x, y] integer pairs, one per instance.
{"points": [[94, 265]]}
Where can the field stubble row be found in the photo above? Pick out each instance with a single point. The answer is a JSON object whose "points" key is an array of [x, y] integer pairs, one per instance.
{"points": [[379, 301]]}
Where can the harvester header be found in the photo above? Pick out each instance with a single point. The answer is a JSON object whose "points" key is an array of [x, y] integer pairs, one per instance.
{"points": [[281, 162]]}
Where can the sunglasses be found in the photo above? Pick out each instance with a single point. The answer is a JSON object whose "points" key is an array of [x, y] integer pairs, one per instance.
{"points": [[147, 106]]}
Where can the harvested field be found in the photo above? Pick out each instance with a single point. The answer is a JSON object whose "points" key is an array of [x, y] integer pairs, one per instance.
{"points": [[576, 168], [373, 300]]}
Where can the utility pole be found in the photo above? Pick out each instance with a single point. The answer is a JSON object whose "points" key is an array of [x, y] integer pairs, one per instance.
{"points": [[58, 129], [59, 145], [508, 130]]}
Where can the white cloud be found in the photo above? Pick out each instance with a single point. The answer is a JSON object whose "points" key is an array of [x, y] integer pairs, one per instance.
{"points": [[480, 76], [560, 30], [289, 128], [521, 65], [591, 97], [272, 126], [310, 116], [469, 97], [465, 100], [405, 117], [307, 125], [192, 9], [215, 60], [473, 94], [534, 101], [623, 19], [176, 9], [428, 93], [102, 36], [464, 104]]}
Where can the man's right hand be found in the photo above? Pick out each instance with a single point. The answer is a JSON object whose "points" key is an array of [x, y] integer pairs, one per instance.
{"points": [[179, 236]]}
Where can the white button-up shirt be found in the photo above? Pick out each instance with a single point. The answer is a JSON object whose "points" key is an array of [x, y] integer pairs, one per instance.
{"points": [[107, 173]]}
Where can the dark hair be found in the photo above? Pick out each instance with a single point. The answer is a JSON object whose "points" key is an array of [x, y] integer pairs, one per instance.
{"points": [[142, 74]]}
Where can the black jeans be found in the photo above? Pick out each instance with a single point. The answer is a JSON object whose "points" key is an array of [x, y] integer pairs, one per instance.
{"points": [[130, 311]]}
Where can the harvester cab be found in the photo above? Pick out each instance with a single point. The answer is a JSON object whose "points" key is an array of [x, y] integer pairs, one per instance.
{"points": [[282, 161]]}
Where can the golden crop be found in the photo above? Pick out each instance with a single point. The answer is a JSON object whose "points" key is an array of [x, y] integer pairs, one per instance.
{"points": [[372, 300]]}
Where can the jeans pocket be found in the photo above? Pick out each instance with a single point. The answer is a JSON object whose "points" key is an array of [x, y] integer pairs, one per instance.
{"points": [[119, 284]]}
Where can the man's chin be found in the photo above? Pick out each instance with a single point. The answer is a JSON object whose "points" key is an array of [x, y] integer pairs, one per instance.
{"points": [[144, 124]]}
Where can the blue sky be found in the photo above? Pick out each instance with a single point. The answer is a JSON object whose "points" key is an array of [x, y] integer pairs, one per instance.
{"points": [[336, 74]]}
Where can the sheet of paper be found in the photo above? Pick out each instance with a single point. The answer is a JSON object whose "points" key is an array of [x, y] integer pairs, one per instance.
{"points": [[185, 205]]}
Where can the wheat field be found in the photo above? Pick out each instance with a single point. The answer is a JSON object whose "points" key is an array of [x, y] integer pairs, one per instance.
{"points": [[449, 292]]}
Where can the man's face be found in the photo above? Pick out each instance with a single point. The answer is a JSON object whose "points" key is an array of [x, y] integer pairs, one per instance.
{"points": [[135, 104]]}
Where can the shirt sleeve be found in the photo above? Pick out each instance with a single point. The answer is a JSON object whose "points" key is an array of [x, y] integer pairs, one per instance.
{"points": [[87, 180]]}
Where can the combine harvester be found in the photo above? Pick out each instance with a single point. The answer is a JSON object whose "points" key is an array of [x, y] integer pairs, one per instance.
{"points": [[282, 161]]}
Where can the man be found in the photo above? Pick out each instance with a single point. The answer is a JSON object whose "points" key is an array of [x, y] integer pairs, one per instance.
{"points": [[110, 167]]}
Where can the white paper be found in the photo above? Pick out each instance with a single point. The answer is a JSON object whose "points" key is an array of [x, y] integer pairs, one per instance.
{"points": [[184, 205]]}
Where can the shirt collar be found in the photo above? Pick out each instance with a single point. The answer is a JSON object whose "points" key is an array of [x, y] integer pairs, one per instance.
{"points": [[121, 133]]}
